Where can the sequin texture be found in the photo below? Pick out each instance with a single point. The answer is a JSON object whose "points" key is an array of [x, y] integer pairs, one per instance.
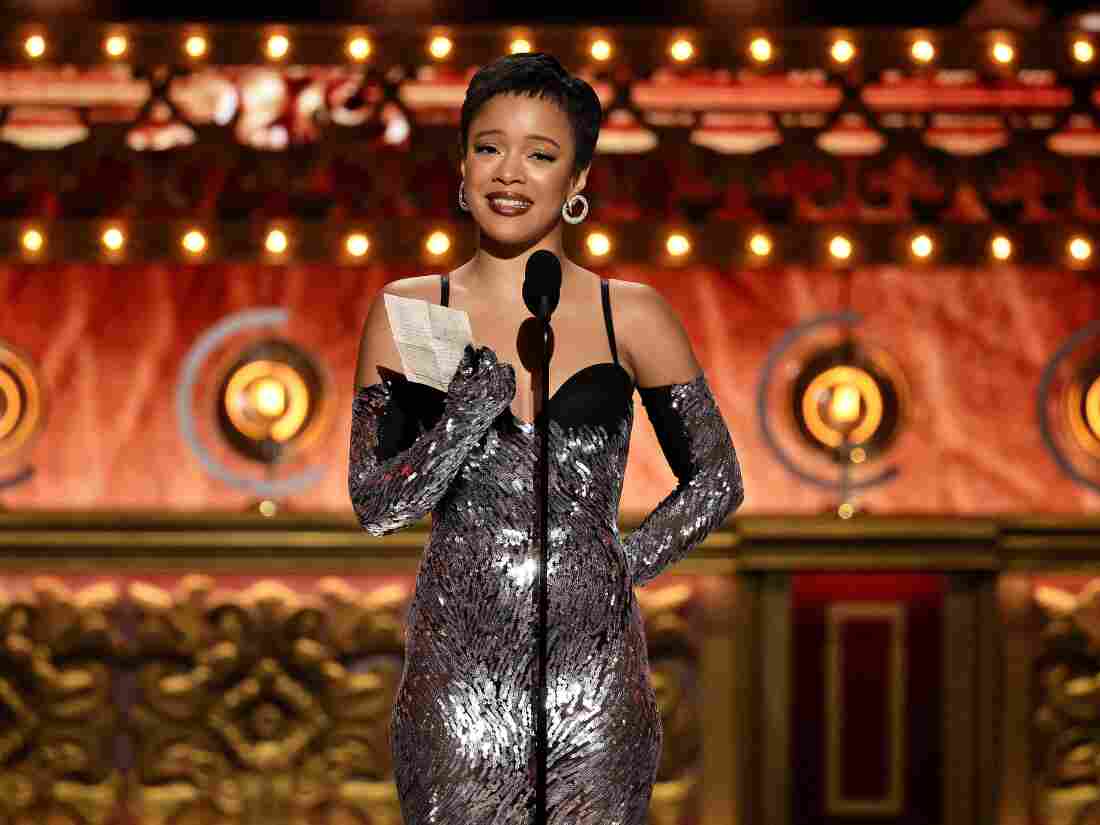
{"points": [[462, 725]]}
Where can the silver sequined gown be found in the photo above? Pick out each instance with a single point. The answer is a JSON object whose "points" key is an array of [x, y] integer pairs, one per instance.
{"points": [[463, 725]]}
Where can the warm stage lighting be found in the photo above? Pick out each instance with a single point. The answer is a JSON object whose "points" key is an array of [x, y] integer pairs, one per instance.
{"points": [[269, 397], [359, 48], [845, 404], [276, 242], [113, 239], [840, 248], [438, 243], [760, 245], [600, 50], [1080, 249], [923, 51], [1083, 52], [842, 51], [33, 241], [761, 50], [678, 245], [598, 244], [277, 46], [115, 45], [681, 50], [519, 46], [1003, 52], [35, 46], [357, 244], [1001, 247], [921, 246], [194, 242], [195, 46], [440, 47]]}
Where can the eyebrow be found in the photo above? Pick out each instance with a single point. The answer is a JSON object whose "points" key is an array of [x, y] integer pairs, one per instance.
{"points": [[501, 132]]}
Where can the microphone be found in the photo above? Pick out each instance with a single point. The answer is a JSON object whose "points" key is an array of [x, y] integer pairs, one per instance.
{"points": [[542, 283]]}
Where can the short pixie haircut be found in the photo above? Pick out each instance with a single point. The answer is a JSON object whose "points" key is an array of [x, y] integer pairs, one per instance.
{"points": [[538, 75]]}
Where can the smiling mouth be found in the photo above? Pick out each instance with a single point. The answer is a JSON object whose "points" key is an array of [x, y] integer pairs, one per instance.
{"points": [[509, 206]]}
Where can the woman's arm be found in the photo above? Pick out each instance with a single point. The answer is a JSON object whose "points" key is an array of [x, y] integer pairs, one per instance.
{"points": [[396, 477], [693, 437]]}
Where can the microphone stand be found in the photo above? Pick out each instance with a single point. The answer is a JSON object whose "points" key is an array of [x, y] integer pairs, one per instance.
{"points": [[543, 494]]}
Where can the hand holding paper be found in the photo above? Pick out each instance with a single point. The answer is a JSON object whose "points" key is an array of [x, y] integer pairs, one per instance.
{"points": [[430, 338]]}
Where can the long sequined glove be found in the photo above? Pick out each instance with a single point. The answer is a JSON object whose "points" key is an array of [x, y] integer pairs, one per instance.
{"points": [[697, 445], [396, 476]]}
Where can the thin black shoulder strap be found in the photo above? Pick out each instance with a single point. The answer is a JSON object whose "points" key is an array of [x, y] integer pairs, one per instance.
{"points": [[607, 318], [445, 289]]}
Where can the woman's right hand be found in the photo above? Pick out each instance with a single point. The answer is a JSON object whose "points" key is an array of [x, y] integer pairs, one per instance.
{"points": [[481, 382]]}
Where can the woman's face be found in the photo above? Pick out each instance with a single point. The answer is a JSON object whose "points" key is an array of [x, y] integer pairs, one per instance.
{"points": [[522, 147]]}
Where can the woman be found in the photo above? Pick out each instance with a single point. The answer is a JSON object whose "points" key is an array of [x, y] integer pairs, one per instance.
{"points": [[463, 724]]}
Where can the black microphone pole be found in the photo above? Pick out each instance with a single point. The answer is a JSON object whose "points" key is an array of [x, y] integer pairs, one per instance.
{"points": [[544, 517], [541, 291]]}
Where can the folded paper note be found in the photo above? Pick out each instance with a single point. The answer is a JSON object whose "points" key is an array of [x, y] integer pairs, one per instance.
{"points": [[430, 338]]}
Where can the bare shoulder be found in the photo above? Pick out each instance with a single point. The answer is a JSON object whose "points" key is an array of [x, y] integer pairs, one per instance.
{"points": [[416, 286], [651, 332], [376, 346]]}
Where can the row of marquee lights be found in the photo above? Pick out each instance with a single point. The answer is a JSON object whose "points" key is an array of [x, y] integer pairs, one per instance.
{"points": [[678, 245], [681, 49]]}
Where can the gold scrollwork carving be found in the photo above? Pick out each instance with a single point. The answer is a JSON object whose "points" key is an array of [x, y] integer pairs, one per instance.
{"points": [[1067, 753], [58, 721], [265, 702]]}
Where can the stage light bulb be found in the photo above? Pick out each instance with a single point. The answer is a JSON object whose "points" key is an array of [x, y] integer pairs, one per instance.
{"points": [[113, 239], [194, 242], [678, 245], [844, 404], [921, 246], [270, 398], [1080, 249], [840, 248], [601, 50], [1001, 248], [440, 47], [115, 45], [681, 50], [195, 46], [277, 46], [357, 244], [359, 48], [923, 51], [761, 50], [598, 244], [438, 243], [276, 242], [1003, 52], [761, 245], [33, 240], [842, 51], [1083, 52], [520, 46], [35, 46]]}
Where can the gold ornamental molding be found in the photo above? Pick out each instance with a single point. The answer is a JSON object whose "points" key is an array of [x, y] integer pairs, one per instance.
{"points": [[304, 542]]}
